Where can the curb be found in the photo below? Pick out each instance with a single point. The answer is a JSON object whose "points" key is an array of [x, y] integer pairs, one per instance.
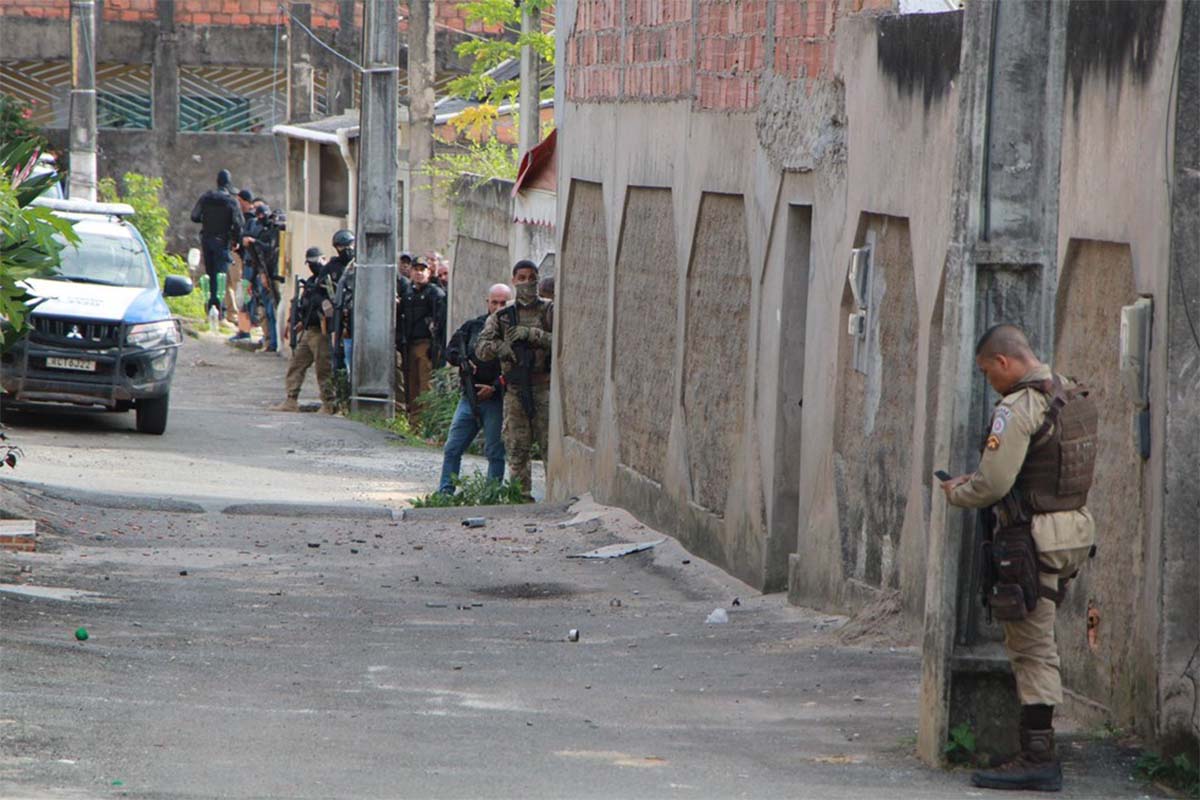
{"points": [[458, 513], [119, 502], [308, 510]]}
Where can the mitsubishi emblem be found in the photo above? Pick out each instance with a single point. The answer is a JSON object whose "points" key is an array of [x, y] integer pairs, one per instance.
{"points": [[75, 333]]}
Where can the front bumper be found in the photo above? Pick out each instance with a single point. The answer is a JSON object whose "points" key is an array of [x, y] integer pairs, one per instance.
{"points": [[122, 375]]}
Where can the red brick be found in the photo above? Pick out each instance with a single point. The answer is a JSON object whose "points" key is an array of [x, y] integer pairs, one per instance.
{"points": [[241, 19], [201, 19]]}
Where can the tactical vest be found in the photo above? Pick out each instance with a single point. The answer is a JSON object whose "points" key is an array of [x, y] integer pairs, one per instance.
{"points": [[1061, 460], [538, 315]]}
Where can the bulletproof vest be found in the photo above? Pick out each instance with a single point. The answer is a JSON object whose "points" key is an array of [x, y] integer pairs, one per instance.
{"points": [[538, 315], [1058, 468]]}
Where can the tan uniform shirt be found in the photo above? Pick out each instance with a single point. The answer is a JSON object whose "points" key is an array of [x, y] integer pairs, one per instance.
{"points": [[1016, 418]]}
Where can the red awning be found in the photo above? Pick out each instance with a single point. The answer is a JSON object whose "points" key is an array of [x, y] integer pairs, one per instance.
{"points": [[535, 163]]}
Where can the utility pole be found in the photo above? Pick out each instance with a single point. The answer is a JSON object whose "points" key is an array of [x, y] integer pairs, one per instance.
{"points": [[421, 49], [300, 95], [82, 180], [374, 383], [529, 127]]}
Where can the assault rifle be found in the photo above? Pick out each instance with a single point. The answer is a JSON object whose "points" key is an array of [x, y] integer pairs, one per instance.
{"points": [[343, 304], [521, 374]]}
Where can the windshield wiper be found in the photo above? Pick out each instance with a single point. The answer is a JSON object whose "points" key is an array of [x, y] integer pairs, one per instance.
{"points": [[85, 279]]}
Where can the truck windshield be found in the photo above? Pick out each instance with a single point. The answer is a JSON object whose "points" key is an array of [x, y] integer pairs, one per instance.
{"points": [[99, 258]]}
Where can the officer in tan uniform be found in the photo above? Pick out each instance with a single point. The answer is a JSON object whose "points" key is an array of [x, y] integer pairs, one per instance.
{"points": [[1034, 474], [521, 335]]}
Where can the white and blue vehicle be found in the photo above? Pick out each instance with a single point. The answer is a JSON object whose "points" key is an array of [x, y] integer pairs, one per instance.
{"points": [[102, 335]]}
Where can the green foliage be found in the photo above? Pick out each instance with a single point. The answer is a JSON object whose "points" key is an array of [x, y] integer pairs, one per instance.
{"points": [[16, 123], [474, 490], [152, 220], [476, 162], [437, 404], [1178, 773], [397, 426], [961, 747], [31, 238], [489, 52]]}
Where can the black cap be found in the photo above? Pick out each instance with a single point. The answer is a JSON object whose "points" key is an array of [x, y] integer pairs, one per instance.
{"points": [[246, 195], [224, 179], [312, 254], [264, 210], [406, 257]]}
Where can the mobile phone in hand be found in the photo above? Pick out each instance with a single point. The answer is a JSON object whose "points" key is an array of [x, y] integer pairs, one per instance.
{"points": [[942, 475]]}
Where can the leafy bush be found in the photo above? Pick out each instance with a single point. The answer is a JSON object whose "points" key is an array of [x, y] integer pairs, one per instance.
{"points": [[438, 404], [31, 238], [474, 490], [152, 220], [1179, 772], [16, 123]]}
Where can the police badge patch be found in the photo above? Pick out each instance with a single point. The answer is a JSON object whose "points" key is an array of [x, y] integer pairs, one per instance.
{"points": [[993, 442], [1000, 421]]}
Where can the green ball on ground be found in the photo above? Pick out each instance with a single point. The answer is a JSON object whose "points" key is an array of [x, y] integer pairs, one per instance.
{"points": [[81, 634]]}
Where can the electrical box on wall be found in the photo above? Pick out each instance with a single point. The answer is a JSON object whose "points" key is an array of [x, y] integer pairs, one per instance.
{"points": [[859, 278], [1135, 350]]}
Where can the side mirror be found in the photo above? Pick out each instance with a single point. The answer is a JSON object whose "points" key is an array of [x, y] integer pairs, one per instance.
{"points": [[177, 286]]}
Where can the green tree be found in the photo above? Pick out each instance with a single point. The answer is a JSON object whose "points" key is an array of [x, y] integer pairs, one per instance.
{"points": [[31, 238], [16, 123]]}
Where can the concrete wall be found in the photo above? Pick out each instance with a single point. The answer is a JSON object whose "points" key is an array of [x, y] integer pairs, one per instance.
{"points": [[719, 161]]}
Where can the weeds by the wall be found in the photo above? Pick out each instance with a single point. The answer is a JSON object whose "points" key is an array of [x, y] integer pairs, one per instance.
{"points": [[1177, 773], [474, 490]]}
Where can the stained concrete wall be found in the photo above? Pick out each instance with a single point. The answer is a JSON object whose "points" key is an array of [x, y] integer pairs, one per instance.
{"points": [[885, 142]]}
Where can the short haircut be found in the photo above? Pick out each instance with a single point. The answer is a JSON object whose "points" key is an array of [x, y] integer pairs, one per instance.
{"points": [[524, 263], [1004, 339]]}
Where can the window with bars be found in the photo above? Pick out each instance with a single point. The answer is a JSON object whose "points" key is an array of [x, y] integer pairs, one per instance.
{"points": [[231, 99], [124, 93]]}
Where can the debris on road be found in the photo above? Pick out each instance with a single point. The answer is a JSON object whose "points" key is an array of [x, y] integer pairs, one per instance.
{"points": [[474, 522], [183, 573], [81, 634], [618, 550], [718, 617], [314, 545], [573, 635]]}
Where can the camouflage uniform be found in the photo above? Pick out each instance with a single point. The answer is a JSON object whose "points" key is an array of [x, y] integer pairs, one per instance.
{"points": [[534, 328]]}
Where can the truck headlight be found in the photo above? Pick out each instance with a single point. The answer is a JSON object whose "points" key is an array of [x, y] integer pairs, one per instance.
{"points": [[154, 334]]}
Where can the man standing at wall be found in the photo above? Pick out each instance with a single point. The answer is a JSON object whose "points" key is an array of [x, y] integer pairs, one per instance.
{"points": [[423, 327], [520, 335], [481, 404], [1034, 475], [220, 221]]}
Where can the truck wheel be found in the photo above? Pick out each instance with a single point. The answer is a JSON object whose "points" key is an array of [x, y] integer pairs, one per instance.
{"points": [[152, 414]]}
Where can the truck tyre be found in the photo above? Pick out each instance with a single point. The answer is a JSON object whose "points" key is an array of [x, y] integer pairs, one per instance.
{"points": [[152, 414]]}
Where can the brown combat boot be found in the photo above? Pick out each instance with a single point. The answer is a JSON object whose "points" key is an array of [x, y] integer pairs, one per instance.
{"points": [[287, 405], [1036, 768], [328, 408]]}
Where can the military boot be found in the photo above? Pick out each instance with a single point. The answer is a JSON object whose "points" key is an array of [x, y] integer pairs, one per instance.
{"points": [[287, 405], [328, 408], [1036, 768]]}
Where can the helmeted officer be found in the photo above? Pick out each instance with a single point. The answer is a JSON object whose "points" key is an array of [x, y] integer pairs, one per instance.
{"points": [[220, 219], [1034, 474]]}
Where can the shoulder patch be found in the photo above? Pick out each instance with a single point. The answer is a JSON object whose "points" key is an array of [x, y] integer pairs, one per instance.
{"points": [[1000, 420], [993, 442]]}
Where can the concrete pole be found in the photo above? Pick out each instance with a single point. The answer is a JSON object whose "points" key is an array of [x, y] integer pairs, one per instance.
{"points": [[300, 96], [373, 372], [529, 130], [82, 181], [421, 63]]}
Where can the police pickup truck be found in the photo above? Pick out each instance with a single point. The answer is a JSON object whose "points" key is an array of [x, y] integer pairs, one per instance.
{"points": [[102, 335]]}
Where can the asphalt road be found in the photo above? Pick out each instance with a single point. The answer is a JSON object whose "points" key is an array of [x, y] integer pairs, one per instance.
{"points": [[344, 650], [223, 445]]}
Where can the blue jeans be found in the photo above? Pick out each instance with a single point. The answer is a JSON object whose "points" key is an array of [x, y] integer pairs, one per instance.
{"points": [[348, 355], [463, 430]]}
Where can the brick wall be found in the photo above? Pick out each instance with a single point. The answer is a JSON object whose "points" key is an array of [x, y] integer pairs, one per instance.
{"points": [[657, 50], [228, 12]]}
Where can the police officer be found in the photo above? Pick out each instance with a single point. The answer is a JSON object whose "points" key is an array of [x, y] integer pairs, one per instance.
{"points": [[421, 335], [520, 335], [342, 265], [486, 410], [220, 220], [1034, 474], [314, 311]]}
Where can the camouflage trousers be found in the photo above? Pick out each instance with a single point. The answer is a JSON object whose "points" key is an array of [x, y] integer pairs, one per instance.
{"points": [[312, 347], [520, 432]]}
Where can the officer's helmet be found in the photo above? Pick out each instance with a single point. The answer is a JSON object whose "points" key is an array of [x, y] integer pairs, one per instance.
{"points": [[343, 243]]}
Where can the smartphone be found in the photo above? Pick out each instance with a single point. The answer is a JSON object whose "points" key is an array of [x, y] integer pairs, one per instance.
{"points": [[942, 475]]}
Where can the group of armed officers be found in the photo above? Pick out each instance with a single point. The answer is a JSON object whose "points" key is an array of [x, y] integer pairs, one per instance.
{"points": [[503, 356]]}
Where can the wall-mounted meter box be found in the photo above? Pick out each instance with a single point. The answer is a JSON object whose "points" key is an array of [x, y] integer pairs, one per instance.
{"points": [[1136, 322]]}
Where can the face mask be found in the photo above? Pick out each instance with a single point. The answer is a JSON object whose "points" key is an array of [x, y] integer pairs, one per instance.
{"points": [[314, 267], [526, 293], [347, 253]]}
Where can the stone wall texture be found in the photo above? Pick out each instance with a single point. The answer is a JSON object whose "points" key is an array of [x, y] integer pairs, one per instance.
{"points": [[644, 330], [582, 310], [715, 350]]}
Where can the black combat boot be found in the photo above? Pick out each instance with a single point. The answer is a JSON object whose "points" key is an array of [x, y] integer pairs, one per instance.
{"points": [[1036, 768]]}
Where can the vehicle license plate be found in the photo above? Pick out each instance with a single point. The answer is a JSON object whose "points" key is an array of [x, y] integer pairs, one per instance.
{"points": [[77, 364]]}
